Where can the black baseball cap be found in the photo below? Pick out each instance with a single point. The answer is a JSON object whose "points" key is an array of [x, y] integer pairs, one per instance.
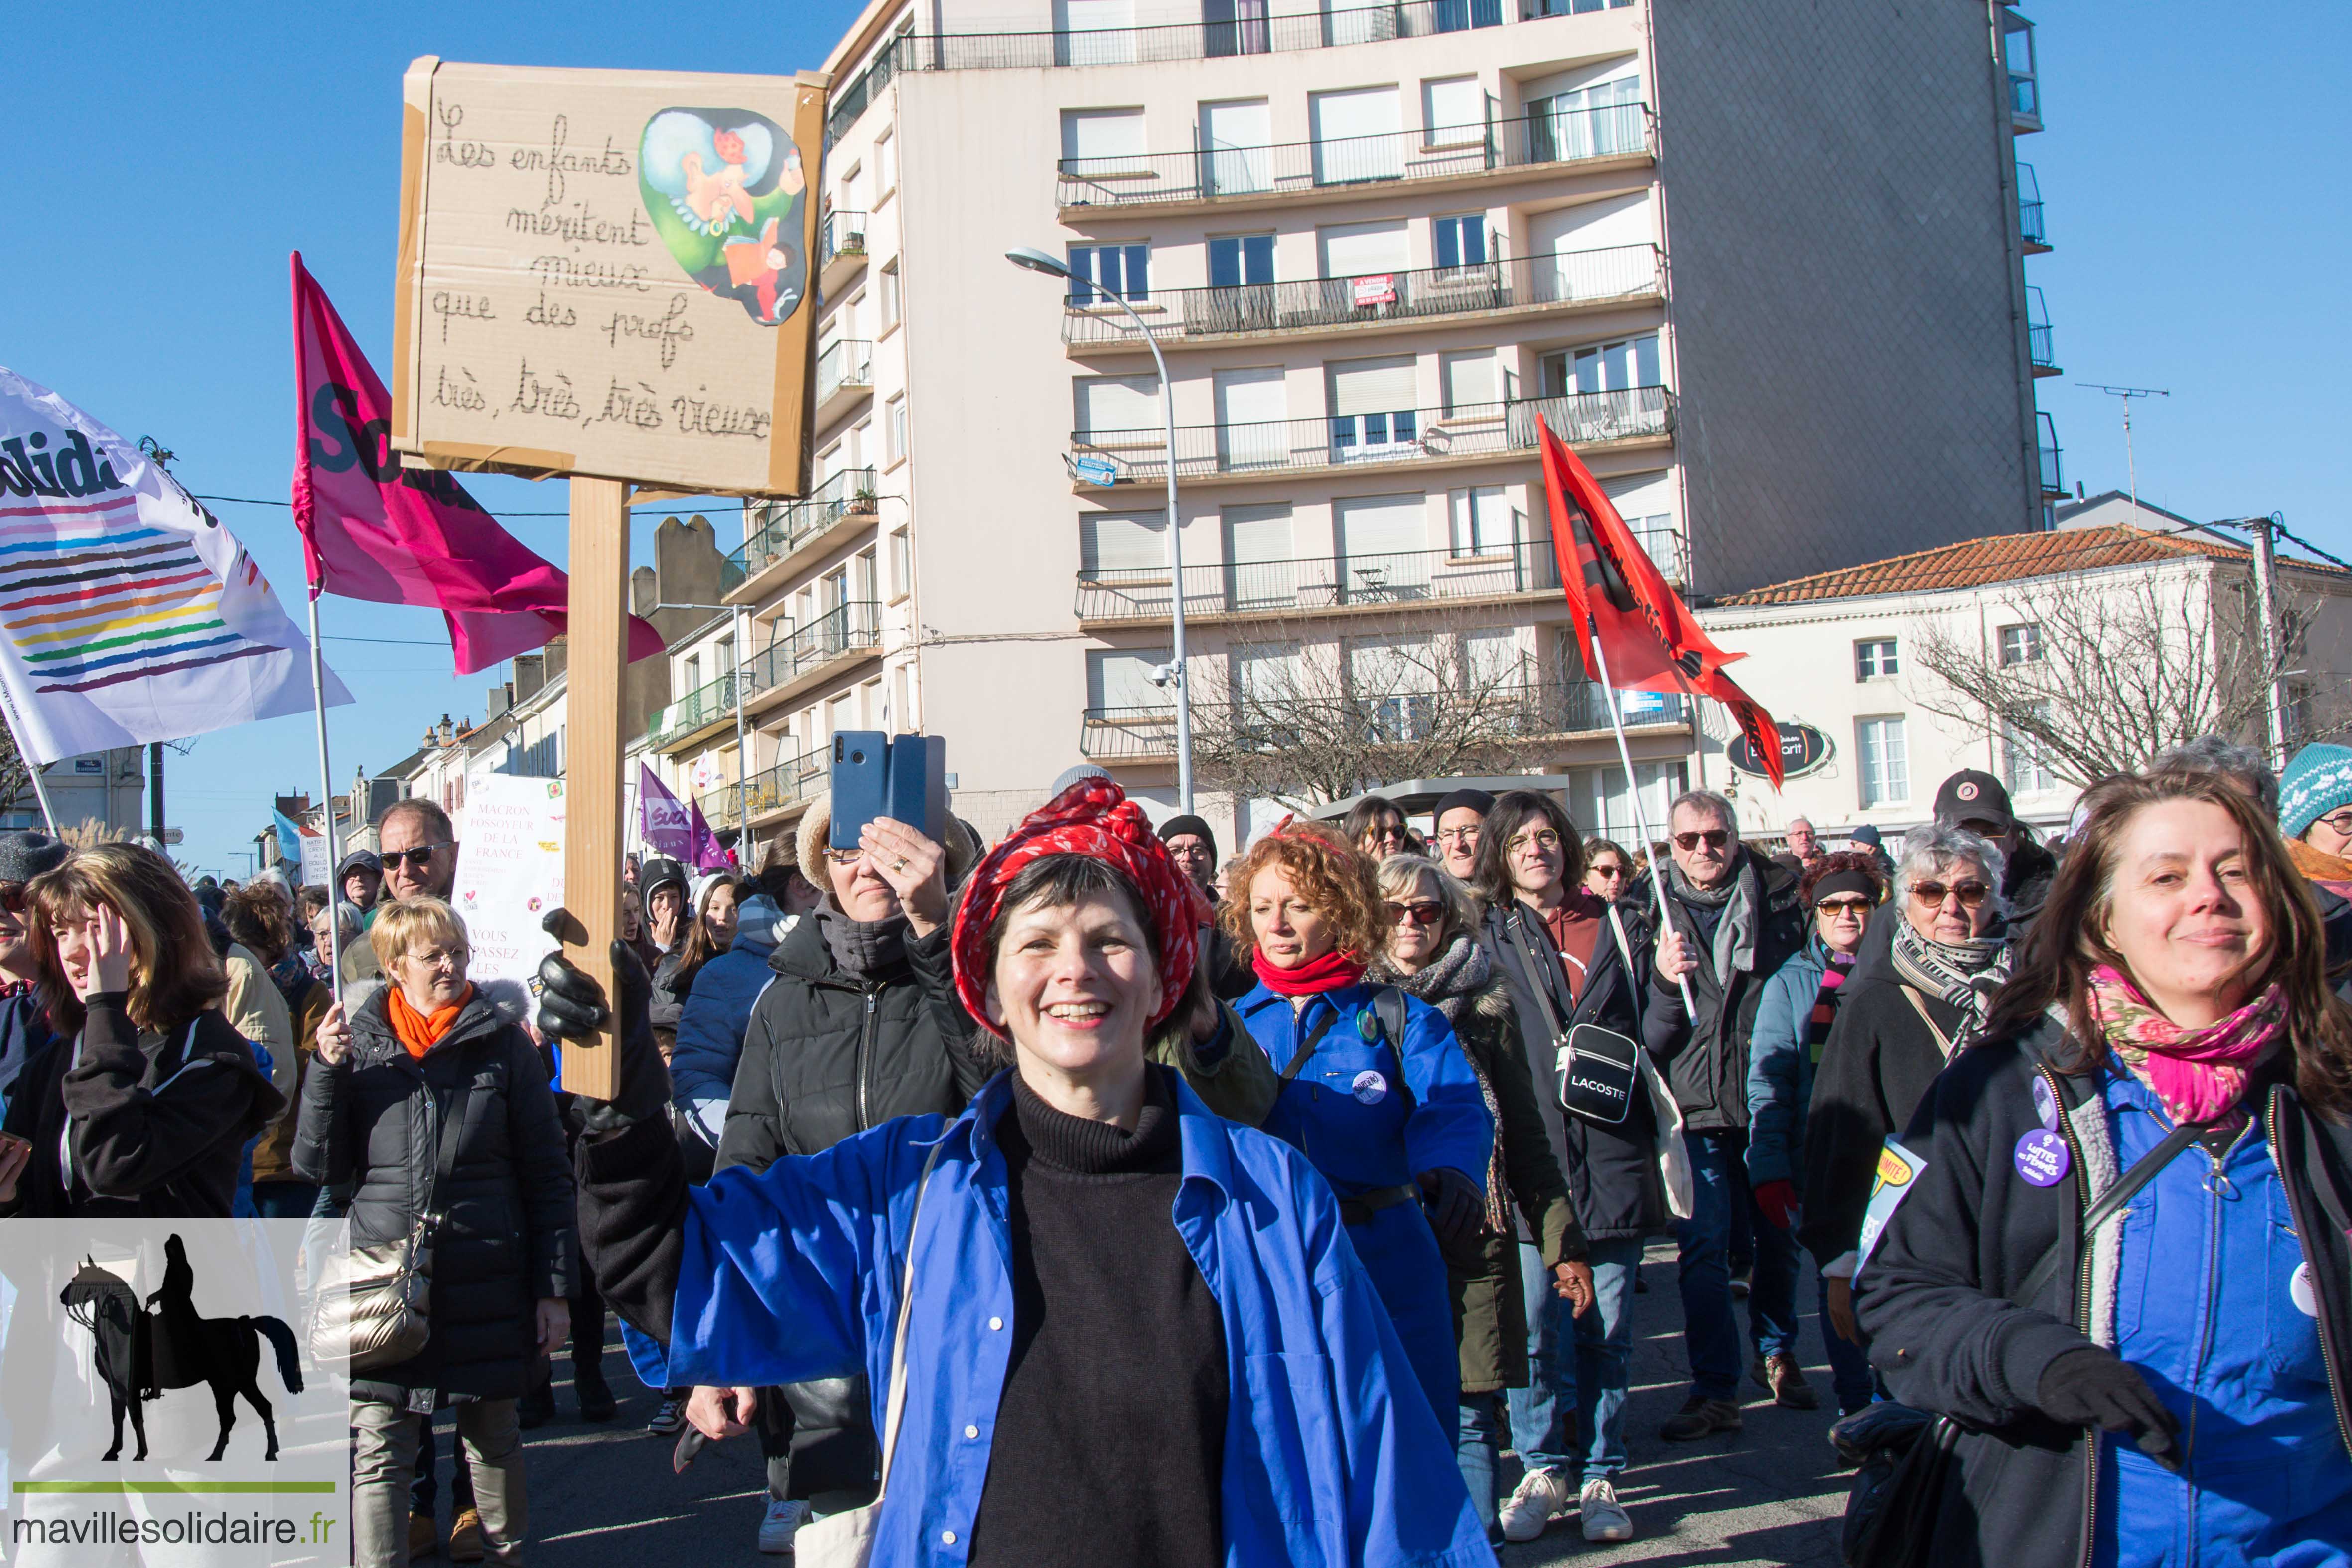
{"points": [[1972, 796]]}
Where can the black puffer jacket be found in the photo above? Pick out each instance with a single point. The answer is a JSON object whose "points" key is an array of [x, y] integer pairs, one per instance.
{"points": [[828, 1053], [667, 1002], [1612, 1171], [510, 1239], [159, 1120], [1705, 1057]]}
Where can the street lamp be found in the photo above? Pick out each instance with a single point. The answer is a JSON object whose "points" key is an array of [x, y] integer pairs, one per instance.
{"points": [[1039, 261], [742, 746]]}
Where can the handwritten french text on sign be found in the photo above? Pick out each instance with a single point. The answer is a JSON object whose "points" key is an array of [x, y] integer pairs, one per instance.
{"points": [[316, 871], [510, 874], [1378, 289], [607, 273]]}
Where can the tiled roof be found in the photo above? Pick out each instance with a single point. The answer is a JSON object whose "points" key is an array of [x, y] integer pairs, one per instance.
{"points": [[2002, 558]]}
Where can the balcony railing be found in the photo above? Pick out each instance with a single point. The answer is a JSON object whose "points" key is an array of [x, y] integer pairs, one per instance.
{"points": [[770, 789], [1321, 583], [1582, 277], [2029, 222], [2037, 334], [845, 628], [706, 704], [1405, 434], [791, 525], [847, 365], [840, 233], [1609, 130], [1499, 716]]}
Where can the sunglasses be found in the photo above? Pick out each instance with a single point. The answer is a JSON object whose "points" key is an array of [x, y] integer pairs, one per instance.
{"points": [[1421, 913], [415, 860], [1714, 838], [13, 900], [1611, 873], [1931, 895], [1846, 905]]}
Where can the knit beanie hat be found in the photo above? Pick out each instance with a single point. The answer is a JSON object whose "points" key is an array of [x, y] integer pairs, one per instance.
{"points": [[2318, 781], [1176, 826], [25, 855]]}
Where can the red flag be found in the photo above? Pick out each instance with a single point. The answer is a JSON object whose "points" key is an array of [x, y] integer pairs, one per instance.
{"points": [[374, 528], [1646, 634]]}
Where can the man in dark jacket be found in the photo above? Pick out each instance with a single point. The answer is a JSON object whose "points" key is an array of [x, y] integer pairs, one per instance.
{"points": [[1193, 845], [1732, 919]]}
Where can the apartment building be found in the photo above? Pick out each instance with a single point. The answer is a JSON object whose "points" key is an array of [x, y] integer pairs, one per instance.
{"points": [[1762, 270]]}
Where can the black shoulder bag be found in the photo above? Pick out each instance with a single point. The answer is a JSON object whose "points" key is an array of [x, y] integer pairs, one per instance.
{"points": [[1599, 1068]]}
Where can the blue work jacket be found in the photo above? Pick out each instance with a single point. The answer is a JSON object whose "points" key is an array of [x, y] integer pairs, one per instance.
{"points": [[2205, 1308], [1365, 1112], [795, 1272], [1781, 1066]]}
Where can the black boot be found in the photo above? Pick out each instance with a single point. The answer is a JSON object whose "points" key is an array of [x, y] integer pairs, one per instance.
{"points": [[595, 1395]]}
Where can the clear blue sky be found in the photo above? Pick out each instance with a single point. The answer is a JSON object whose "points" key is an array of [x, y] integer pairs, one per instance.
{"points": [[169, 157]]}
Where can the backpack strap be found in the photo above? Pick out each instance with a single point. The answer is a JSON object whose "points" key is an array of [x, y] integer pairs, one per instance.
{"points": [[1388, 1009]]}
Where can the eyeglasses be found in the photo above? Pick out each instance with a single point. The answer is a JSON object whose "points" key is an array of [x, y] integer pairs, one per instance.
{"points": [[2340, 822], [1421, 913], [13, 900], [415, 860], [1541, 838], [1932, 895], [1713, 838], [1470, 835], [843, 856], [1853, 906], [1612, 873]]}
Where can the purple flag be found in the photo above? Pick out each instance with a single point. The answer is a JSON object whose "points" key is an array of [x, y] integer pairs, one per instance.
{"points": [[709, 854], [662, 821]]}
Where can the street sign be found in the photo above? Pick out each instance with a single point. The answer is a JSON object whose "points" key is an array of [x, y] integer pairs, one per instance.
{"points": [[1093, 470], [1803, 750], [175, 836]]}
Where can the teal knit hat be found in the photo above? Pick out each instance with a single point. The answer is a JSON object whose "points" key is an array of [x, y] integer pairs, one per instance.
{"points": [[2318, 781]]}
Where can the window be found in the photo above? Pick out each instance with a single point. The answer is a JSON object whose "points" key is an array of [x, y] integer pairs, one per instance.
{"points": [[693, 672], [895, 430], [1885, 767], [869, 703], [1373, 412], [857, 447], [1120, 403], [1603, 367], [1235, 135], [1872, 659], [2021, 644], [890, 306], [1597, 121], [1535, 8], [885, 173], [866, 592], [1362, 249], [902, 563], [1121, 679], [1236, 27], [852, 189], [1468, 379], [1111, 270], [901, 706], [1481, 521], [841, 713], [1131, 546], [1383, 548], [1357, 135], [1097, 142], [1452, 109], [2022, 766], [1253, 408], [1461, 240], [1238, 258]]}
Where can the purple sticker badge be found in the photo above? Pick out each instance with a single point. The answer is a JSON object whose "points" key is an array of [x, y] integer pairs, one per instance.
{"points": [[2042, 1158], [2045, 1103]]}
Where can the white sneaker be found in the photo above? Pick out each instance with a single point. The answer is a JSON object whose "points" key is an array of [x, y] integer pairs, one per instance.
{"points": [[1603, 1520], [782, 1524], [669, 1417], [1540, 1497]]}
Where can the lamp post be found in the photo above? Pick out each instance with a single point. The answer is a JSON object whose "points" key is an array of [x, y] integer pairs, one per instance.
{"points": [[742, 746], [1039, 261]]}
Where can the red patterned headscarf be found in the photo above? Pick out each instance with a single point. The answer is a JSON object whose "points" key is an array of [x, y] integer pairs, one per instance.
{"points": [[1094, 818]]}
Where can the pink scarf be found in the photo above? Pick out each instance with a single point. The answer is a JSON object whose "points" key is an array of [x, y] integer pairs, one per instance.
{"points": [[2199, 1074]]}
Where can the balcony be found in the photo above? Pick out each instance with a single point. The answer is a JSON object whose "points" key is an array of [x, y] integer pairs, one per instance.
{"points": [[840, 250], [2025, 87], [1618, 135], [769, 792], [844, 373], [1314, 585], [2054, 476], [709, 704], [2037, 334], [2028, 212], [799, 660], [1470, 433], [848, 494], [1532, 711], [1318, 307]]}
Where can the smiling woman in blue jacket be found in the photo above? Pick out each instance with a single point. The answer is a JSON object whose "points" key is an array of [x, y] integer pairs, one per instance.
{"points": [[1122, 1330], [2167, 1388]]}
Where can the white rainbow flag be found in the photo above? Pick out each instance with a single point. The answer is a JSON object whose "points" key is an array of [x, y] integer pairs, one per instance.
{"points": [[128, 614]]}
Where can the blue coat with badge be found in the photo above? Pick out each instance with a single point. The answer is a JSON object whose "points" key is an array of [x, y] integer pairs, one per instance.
{"points": [[1371, 1113]]}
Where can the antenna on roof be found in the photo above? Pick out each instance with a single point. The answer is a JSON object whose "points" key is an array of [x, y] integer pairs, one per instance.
{"points": [[2131, 464]]}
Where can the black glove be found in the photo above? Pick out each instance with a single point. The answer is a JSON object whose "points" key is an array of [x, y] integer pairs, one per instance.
{"points": [[1457, 1209], [2090, 1388], [572, 1007]]}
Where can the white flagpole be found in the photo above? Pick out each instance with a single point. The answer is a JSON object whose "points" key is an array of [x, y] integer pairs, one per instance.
{"points": [[1633, 789], [327, 786]]}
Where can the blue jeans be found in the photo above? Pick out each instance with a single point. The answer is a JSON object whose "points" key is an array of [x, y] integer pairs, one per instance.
{"points": [[1589, 1382], [1772, 1288], [1475, 1440], [284, 1200], [1850, 1374], [1708, 1330]]}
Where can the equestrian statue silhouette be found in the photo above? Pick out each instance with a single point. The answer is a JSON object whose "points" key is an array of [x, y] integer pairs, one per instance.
{"points": [[141, 1353]]}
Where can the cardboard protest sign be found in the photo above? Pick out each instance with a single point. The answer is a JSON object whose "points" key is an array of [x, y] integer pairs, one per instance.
{"points": [[509, 874], [608, 273]]}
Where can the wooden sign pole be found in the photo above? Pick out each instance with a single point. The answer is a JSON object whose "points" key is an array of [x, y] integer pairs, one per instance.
{"points": [[599, 655]]}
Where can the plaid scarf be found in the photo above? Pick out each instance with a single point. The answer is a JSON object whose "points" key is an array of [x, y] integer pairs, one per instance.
{"points": [[1965, 974], [2199, 1074]]}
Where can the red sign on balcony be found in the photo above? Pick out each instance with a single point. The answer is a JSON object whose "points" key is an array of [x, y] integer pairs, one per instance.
{"points": [[1378, 289]]}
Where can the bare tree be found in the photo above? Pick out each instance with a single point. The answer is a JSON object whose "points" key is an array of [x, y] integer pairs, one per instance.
{"points": [[1334, 719], [16, 773], [2116, 667]]}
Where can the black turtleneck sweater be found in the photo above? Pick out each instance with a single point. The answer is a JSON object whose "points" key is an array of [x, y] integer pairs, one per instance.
{"points": [[1110, 1437]]}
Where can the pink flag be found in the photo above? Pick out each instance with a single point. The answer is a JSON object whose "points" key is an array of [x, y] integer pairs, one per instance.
{"points": [[662, 822], [375, 528], [709, 854]]}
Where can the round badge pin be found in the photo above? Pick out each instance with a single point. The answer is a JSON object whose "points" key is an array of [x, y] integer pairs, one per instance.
{"points": [[2043, 1157], [1369, 1087], [2299, 1292]]}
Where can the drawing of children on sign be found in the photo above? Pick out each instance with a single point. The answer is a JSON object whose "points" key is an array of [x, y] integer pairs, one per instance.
{"points": [[724, 188]]}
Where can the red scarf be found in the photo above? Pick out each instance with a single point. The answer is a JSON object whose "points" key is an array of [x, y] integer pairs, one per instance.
{"points": [[1332, 971]]}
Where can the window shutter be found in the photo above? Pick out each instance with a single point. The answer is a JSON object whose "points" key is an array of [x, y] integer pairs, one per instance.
{"points": [[1121, 677], [1256, 535], [1117, 403], [1096, 134], [1455, 105], [1356, 249], [1372, 386], [1113, 542], [1383, 525]]}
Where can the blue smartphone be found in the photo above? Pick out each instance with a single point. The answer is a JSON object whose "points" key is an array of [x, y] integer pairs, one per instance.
{"points": [[903, 777]]}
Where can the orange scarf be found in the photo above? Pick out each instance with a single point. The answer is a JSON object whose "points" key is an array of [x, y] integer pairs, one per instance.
{"points": [[417, 1031]]}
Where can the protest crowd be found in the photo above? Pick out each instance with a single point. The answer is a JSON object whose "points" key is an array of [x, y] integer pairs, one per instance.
{"points": [[1096, 1197]]}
